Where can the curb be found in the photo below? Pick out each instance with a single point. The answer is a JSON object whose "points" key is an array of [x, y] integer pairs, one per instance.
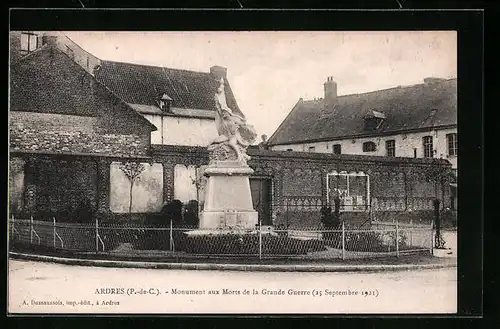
{"points": [[229, 267]]}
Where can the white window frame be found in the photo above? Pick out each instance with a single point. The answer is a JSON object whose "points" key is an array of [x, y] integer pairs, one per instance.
{"points": [[453, 151], [26, 47], [426, 144], [347, 175], [393, 148]]}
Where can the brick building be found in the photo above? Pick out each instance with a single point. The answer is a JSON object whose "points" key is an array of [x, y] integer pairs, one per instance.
{"points": [[74, 118], [65, 129]]}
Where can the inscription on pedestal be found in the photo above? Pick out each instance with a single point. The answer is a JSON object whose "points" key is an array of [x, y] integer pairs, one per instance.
{"points": [[231, 218]]}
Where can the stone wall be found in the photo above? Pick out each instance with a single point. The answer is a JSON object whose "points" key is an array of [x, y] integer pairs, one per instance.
{"points": [[299, 180], [16, 184], [52, 185], [304, 174], [60, 133]]}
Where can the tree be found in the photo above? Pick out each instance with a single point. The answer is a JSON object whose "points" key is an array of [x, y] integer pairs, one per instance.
{"points": [[132, 170]]}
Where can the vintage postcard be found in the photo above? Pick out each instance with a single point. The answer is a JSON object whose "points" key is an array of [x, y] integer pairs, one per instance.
{"points": [[253, 172]]}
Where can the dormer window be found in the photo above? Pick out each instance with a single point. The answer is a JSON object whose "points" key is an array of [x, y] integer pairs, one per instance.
{"points": [[373, 120], [29, 42], [165, 103]]}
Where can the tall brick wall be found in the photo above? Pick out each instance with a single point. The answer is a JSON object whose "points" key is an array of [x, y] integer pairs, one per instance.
{"points": [[390, 178], [30, 131], [299, 181], [306, 182]]}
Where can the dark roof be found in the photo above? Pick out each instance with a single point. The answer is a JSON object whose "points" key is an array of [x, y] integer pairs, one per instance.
{"points": [[145, 85], [49, 81], [421, 106]]}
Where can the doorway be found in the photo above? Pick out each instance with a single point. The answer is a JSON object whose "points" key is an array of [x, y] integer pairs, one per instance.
{"points": [[261, 189]]}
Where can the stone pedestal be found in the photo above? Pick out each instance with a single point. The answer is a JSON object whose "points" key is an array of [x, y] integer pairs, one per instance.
{"points": [[228, 200]]}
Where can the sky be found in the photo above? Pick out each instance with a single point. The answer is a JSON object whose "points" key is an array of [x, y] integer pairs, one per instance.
{"points": [[270, 71]]}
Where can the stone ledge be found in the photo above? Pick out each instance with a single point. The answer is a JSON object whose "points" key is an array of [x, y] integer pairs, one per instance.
{"points": [[228, 171], [230, 267]]}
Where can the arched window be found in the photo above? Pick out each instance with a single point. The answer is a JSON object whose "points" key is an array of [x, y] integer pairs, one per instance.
{"points": [[369, 147]]}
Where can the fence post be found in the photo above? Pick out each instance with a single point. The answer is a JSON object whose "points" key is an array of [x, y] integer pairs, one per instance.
{"points": [[286, 217], [54, 232], [411, 232], [171, 237], [31, 229], [260, 240], [96, 235], [343, 240], [12, 229], [431, 249], [397, 238]]}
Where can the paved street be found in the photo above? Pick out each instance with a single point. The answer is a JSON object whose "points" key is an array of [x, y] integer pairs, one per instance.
{"points": [[77, 289]]}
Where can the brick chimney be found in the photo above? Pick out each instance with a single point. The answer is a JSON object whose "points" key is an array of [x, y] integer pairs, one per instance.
{"points": [[330, 92], [50, 38], [218, 71]]}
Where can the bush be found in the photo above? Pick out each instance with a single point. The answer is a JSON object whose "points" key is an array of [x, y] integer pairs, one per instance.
{"points": [[160, 239], [153, 240], [333, 239], [110, 238], [331, 221], [84, 212], [154, 220], [365, 241], [402, 240], [191, 214], [248, 244], [172, 211]]}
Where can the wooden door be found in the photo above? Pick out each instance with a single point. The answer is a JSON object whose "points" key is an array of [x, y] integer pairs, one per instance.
{"points": [[261, 198]]}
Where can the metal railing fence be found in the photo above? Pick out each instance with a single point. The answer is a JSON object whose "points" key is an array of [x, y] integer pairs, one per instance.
{"points": [[316, 242]]}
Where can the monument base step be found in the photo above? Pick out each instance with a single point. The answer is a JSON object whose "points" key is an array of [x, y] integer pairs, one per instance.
{"points": [[229, 219]]}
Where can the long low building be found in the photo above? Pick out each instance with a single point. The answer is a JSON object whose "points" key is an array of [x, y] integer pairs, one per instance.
{"points": [[415, 121]]}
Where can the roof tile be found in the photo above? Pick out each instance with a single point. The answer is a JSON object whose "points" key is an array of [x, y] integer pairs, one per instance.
{"points": [[48, 81], [145, 85], [405, 108]]}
